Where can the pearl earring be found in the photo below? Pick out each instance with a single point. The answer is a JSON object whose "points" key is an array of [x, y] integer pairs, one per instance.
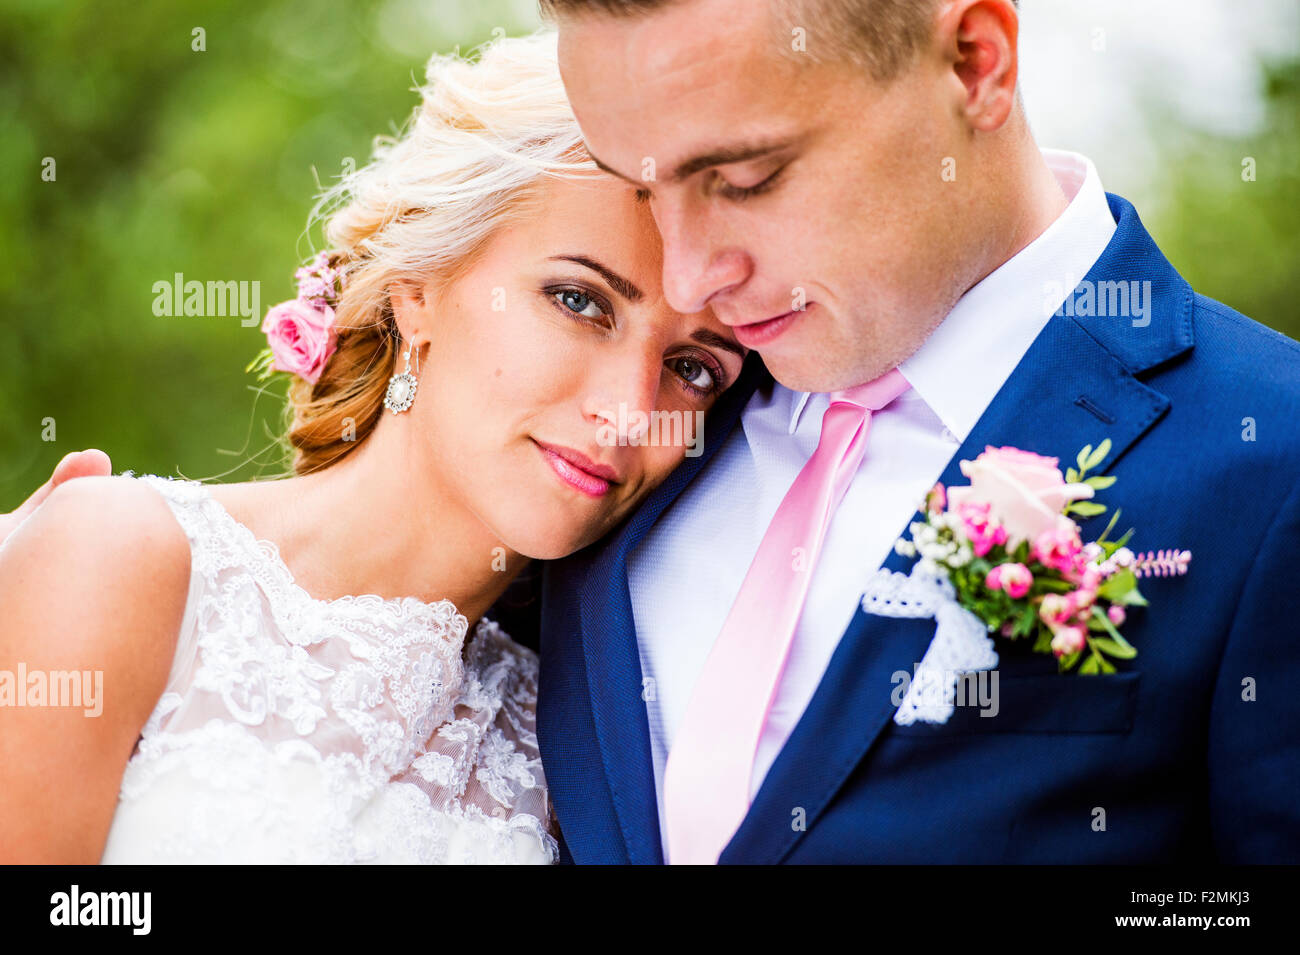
{"points": [[401, 388]]}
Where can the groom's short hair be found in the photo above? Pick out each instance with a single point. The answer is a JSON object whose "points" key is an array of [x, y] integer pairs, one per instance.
{"points": [[882, 36]]}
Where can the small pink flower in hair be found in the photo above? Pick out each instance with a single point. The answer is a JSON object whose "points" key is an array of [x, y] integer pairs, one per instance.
{"points": [[318, 281], [300, 333]]}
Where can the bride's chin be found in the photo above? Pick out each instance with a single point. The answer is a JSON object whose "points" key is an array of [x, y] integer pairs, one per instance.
{"points": [[555, 540], [549, 547]]}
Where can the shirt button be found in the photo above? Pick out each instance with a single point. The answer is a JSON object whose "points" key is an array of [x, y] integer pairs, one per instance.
{"points": [[950, 437]]}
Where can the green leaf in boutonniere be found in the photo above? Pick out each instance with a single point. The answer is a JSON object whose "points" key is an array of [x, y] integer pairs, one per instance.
{"points": [[1085, 508], [1121, 588], [1089, 459], [1113, 649], [1027, 622], [1049, 585]]}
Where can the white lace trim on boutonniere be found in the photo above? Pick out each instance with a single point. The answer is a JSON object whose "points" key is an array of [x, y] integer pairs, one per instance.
{"points": [[961, 642]]}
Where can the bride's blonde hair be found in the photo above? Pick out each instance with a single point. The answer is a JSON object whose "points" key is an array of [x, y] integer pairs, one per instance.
{"points": [[485, 133]]}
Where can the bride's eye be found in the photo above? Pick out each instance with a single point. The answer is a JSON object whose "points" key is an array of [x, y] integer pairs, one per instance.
{"points": [[580, 303], [697, 375]]}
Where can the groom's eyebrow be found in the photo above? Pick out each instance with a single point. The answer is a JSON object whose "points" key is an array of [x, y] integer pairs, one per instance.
{"points": [[726, 155], [620, 285], [720, 156]]}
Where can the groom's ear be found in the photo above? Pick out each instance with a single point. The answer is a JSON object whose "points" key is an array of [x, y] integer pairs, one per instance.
{"points": [[978, 38]]}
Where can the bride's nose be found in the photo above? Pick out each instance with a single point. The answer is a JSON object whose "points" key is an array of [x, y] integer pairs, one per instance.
{"points": [[621, 389]]}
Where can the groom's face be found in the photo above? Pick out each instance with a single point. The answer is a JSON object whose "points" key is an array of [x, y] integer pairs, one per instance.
{"points": [[805, 203]]}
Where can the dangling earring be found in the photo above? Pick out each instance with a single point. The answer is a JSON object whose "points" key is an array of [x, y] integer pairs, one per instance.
{"points": [[401, 388]]}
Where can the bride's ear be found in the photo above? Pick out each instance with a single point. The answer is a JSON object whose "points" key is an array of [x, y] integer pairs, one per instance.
{"points": [[412, 305]]}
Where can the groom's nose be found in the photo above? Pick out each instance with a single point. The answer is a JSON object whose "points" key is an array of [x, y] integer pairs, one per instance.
{"points": [[700, 265]]}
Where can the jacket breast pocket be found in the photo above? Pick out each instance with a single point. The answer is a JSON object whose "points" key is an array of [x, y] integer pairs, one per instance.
{"points": [[1041, 703]]}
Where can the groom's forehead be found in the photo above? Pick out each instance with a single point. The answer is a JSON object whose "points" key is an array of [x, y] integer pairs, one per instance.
{"points": [[678, 94], [671, 49]]}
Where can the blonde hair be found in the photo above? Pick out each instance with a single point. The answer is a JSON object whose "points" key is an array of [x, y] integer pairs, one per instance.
{"points": [[485, 133]]}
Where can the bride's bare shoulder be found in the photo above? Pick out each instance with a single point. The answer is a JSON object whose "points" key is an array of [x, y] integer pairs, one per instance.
{"points": [[109, 516], [102, 560]]}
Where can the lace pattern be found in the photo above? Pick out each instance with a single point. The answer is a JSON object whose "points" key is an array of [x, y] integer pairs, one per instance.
{"points": [[961, 642], [294, 729]]}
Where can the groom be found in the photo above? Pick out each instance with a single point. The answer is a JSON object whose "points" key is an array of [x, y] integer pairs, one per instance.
{"points": [[853, 187]]}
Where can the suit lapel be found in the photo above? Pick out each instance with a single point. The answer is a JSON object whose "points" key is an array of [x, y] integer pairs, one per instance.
{"points": [[609, 642], [1074, 386]]}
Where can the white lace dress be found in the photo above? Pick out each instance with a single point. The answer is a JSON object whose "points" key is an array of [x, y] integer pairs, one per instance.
{"points": [[297, 730]]}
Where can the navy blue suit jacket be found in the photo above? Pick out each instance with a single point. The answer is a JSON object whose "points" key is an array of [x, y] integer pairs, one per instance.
{"points": [[1190, 752]]}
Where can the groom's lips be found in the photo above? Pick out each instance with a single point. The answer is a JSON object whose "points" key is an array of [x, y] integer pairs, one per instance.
{"points": [[765, 331]]}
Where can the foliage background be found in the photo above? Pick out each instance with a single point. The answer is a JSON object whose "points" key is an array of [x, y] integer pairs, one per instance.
{"points": [[205, 163]]}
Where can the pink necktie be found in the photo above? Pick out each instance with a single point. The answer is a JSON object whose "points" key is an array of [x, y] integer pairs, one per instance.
{"points": [[708, 774]]}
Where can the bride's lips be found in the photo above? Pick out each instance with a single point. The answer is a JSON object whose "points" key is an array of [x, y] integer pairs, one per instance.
{"points": [[577, 470], [757, 334]]}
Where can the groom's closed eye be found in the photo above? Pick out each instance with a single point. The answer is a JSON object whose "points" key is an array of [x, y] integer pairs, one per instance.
{"points": [[714, 158], [729, 190]]}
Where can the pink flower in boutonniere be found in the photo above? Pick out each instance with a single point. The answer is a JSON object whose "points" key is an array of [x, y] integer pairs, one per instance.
{"points": [[1059, 548], [1067, 610], [1015, 579], [983, 533], [1053, 609], [1069, 640], [1025, 492], [1017, 561]]}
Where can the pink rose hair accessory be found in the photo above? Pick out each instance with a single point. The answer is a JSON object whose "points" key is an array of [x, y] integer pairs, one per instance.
{"points": [[300, 333]]}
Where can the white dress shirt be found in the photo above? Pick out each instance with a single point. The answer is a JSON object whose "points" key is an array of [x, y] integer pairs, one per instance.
{"points": [[685, 575]]}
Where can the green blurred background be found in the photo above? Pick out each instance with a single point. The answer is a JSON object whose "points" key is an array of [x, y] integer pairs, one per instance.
{"points": [[168, 159]]}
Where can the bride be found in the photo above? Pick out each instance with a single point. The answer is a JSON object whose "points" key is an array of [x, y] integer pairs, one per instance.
{"points": [[300, 670]]}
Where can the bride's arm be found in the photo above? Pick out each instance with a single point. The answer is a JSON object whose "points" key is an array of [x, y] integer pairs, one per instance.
{"points": [[95, 581]]}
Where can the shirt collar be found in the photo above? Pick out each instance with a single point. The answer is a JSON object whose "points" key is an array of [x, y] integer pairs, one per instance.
{"points": [[966, 360]]}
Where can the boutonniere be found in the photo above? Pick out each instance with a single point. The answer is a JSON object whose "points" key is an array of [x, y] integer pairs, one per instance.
{"points": [[1009, 551]]}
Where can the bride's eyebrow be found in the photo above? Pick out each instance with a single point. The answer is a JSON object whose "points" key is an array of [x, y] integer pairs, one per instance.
{"points": [[619, 284], [706, 336]]}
